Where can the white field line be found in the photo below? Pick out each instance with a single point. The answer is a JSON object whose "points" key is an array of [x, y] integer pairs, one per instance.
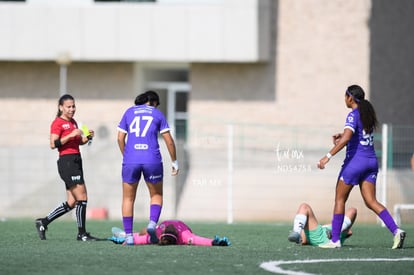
{"points": [[274, 266]]}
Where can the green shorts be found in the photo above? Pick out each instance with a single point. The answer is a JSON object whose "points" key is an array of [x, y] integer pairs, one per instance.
{"points": [[317, 236]]}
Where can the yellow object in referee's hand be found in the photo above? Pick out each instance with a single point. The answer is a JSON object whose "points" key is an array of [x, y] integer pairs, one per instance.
{"points": [[85, 130], [86, 133]]}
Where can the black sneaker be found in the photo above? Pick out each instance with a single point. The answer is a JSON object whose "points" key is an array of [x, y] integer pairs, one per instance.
{"points": [[41, 229], [86, 237]]}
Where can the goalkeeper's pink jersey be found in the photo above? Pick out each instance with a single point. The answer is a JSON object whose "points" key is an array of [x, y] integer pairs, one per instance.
{"points": [[182, 229], [185, 235]]}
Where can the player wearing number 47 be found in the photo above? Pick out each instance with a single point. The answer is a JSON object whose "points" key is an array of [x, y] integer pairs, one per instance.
{"points": [[138, 141], [360, 166]]}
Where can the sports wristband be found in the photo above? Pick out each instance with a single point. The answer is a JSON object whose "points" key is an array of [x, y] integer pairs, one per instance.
{"points": [[329, 155], [58, 143], [175, 164]]}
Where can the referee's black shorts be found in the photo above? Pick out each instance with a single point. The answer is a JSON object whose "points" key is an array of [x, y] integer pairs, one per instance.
{"points": [[70, 170]]}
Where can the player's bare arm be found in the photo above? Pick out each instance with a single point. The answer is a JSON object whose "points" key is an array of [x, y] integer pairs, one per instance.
{"points": [[169, 141], [341, 141], [121, 141], [63, 140]]}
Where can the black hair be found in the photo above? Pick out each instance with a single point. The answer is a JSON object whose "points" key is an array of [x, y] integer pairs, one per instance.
{"points": [[169, 236], [62, 99], [149, 96], [366, 110]]}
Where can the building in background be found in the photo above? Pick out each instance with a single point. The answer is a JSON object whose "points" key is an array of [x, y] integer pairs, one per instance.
{"points": [[252, 88]]}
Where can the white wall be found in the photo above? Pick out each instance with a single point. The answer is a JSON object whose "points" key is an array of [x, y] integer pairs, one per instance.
{"points": [[225, 30]]}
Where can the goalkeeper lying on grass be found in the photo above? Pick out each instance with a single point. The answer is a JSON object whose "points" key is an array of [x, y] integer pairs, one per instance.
{"points": [[169, 232]]}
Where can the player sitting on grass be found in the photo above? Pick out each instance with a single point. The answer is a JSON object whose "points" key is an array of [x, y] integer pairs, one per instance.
{"points": [[307, 230], [169, 232]]}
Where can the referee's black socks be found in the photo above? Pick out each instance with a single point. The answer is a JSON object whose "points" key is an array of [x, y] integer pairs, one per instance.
{"points": [[81, 215], [57, 212]]}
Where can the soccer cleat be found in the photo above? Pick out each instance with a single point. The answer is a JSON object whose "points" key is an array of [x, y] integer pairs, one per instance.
{"points": [[41, 229], [86, 237], [331, 244], [224, 242], [399, 239], [118, 232], [348, 233], [328, 233], [153, 236], [295, 237], [217, 241], [116, 240]]}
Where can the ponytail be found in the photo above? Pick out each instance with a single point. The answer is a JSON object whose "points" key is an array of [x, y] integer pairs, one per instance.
{"points": [[365, 108], [368, 116]]}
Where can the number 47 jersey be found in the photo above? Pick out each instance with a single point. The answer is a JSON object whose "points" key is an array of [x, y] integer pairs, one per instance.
{"points": [[142, 123]]}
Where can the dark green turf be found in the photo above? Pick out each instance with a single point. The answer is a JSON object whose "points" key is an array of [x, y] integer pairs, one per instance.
{"points": [[21, 251]]}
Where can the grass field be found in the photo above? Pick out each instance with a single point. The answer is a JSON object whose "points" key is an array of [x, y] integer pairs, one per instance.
{"points": [[366, 252]]}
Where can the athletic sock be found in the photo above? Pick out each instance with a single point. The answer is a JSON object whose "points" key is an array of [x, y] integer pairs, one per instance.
{"points": [[129, 239], [57, 212], [151, 224], [128, 224], [346, 224], [155, 212], [388, 221], [81, 215], [337, 221], [299, 222]]}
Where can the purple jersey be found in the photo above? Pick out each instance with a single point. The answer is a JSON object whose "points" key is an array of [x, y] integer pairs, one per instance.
{"points": [[361, 143], [360, 163], [142, 124]]}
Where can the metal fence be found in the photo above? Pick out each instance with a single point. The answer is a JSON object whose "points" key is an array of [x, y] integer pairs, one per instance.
{"points": [[233, 172], [400, 146]]}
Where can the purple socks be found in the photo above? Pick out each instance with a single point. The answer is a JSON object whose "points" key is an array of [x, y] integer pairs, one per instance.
{"points": [[128, 222], [388, 221], [155, 212], [337, 221]]}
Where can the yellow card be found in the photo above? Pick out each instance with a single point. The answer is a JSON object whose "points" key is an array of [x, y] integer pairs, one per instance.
{"points": [[85, 130]]}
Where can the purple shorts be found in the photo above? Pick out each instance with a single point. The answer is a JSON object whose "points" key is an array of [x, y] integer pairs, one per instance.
{"points": [[357, 170], [153, 172]]}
